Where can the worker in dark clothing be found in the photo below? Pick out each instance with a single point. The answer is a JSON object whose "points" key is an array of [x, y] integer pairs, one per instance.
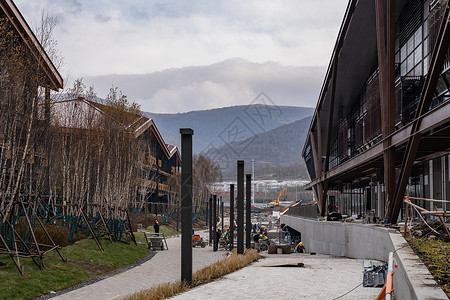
{"points": [[156, 226], [256, 238], [217, 236], [299, 248]]}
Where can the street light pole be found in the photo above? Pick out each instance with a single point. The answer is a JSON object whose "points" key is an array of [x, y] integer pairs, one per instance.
{"points": [[240, 207], [231, 217], [248, 210], [186, 204]]}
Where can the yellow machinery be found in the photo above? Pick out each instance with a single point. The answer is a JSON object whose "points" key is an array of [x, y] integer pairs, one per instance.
{"points": [[283, 192]]}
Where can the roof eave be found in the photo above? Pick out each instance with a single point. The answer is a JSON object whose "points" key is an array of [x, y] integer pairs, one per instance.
{"points": [[342, 31], [19, 23]]}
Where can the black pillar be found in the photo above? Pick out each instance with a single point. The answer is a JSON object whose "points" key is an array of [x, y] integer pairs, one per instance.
{"points": [[231, 217], [248, 210], [221, 209], [178, 215], [206, 214], [214, 217], [210, 220], [186, 204], [240, 207]]}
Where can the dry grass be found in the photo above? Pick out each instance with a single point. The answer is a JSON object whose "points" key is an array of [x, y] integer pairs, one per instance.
{"points": [[230, 264], [435, 255]]}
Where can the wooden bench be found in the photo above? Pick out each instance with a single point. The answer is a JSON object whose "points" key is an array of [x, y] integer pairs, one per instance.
{"points": [[156, 241]]}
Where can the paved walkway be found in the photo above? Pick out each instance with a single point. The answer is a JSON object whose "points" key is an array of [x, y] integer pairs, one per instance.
{"points": [[164, 267], [323, 277]]}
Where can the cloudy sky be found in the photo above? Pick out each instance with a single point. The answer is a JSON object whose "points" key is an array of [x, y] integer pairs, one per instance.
{"points": [[217, 53]]}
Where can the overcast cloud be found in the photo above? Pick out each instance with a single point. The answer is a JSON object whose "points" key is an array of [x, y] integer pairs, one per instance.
{"points": [[228, 83], [102, 37]]}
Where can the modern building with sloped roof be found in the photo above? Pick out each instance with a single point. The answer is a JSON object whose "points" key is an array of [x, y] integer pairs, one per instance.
{"points": [[381, 128]]}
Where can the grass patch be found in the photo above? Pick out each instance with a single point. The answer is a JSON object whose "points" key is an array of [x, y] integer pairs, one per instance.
{"points": [[85, 261], [168, 231], [230, 264], [435, 255]]}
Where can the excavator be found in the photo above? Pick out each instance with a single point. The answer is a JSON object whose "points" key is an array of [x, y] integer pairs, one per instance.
{"points": [[277, 203]]}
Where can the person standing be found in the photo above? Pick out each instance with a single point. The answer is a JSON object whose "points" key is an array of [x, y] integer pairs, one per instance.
{"points": [[156, 226]]}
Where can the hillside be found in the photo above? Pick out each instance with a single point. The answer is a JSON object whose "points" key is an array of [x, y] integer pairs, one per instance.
{"points": [[212, 128], [277, 152]]}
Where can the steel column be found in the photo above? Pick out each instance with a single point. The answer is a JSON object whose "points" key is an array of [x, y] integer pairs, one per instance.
{"points": [[387, 95], [437, 60], [319, 187], [186, 204], [319, 145], [248, 210], [240, 207], [231, 217], [324, 187], [389, 162], [330, 117]]}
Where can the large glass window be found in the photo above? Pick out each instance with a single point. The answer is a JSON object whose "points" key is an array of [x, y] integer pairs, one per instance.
{"points": [[411, 55]]}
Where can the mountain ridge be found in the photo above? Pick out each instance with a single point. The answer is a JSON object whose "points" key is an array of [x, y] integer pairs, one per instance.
{"points": [[277, 152], [212, 127]]}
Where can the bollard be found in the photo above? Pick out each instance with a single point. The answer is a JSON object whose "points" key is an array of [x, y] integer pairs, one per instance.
{"points": [[240, 207], [389, 279], [388, 288], [186, 204], [231, 217], [248, 210]]}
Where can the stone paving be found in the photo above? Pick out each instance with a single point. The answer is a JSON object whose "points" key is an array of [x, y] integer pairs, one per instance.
{"points": [[164, 267], [323, 277]]}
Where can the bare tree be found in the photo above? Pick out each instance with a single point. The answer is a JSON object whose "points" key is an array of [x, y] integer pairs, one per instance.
{"points": [[44, 31]]}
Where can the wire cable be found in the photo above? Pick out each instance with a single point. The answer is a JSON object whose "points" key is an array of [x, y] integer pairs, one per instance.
{"points": [[406, 245], [348, 291]]}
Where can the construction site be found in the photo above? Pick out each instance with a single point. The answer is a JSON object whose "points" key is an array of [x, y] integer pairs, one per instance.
{"points": [[95, 204]]}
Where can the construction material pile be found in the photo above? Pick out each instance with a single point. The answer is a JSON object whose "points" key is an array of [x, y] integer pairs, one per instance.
{"points": [[435, 230]]}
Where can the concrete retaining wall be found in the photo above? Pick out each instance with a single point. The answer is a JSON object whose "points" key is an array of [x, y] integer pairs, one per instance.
{"points": [[412, 279]]}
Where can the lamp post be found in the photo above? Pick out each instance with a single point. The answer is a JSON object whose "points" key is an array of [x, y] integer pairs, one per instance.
{"points": [[240, 207], [248, 210], [186, 204], [231, 217]]}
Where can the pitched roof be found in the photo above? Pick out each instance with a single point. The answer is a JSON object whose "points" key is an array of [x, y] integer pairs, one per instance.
{"points": [[55, 80], [135, 124], [169, 150]]}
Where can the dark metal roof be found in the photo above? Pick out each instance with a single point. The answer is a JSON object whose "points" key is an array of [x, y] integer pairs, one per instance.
{"points": [[356, 53]]}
